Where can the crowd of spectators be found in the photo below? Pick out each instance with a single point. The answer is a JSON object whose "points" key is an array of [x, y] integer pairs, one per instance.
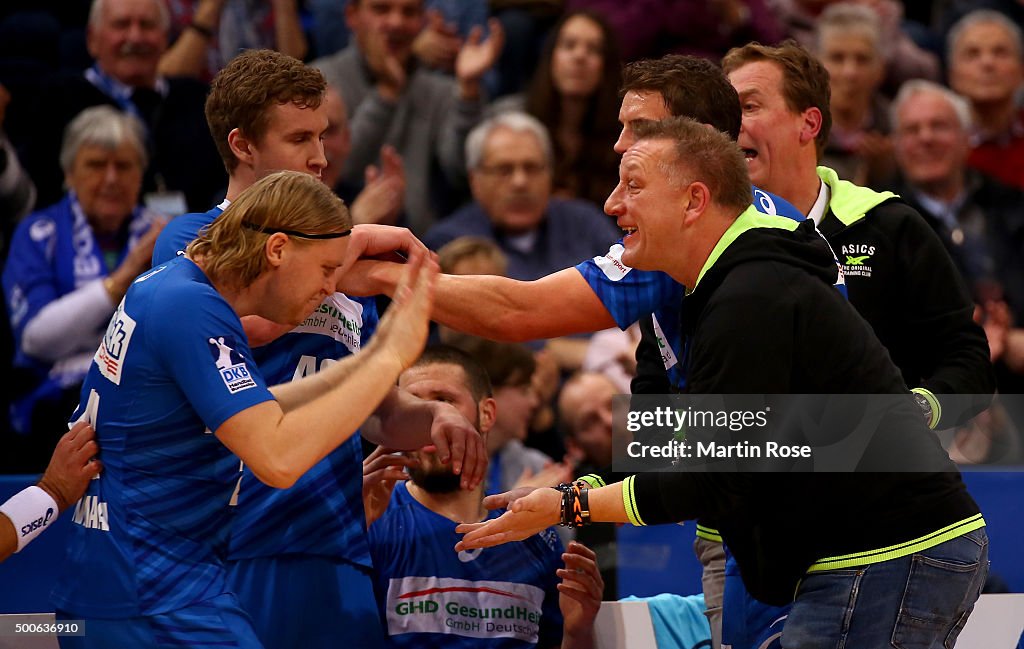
{"points": [[494, 120]]}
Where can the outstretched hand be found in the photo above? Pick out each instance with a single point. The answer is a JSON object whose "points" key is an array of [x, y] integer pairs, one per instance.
{"points": [[526, 516], [505, 500]]}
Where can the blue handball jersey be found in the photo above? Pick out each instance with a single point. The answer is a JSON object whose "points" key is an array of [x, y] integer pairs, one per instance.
{"points": [[431, 596], [322, 513], [151, 532], [180, 231], [631, 294]]}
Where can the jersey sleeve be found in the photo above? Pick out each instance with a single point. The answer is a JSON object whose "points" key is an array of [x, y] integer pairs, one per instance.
{"points": [[201, 342], [627, 293]]}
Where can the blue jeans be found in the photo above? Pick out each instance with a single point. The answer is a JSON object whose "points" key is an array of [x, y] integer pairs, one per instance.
{"points": [[920, 601]]}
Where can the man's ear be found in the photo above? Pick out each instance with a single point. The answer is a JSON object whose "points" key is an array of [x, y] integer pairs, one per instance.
{"points": [[274, 248], [488, 409], [699, 199], [811, 126], [241, 146]]}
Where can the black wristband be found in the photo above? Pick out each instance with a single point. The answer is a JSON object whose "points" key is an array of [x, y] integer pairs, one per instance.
{"points": [[584, 503], [202, 30], [565, 515]]}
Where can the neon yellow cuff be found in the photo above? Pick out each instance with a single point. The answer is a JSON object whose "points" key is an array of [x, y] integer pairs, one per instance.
{"points": [[629, 501]]}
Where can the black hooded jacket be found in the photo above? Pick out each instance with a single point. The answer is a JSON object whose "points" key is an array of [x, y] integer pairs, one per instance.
{"points": [[765, 318]]}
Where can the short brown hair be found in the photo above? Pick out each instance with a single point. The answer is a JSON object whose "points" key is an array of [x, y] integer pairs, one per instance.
{"points": [[251, 83], [232, 251], [468, 247], [507, 364], [709, 155], [691, 87], [805, 81], [477, 381]]}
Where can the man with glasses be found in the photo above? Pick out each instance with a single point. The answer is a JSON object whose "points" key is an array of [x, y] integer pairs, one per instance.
{"points": [[509, 163]]}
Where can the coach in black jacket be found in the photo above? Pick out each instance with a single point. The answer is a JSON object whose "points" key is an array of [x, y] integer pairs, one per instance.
{"points": [[865, 557]]}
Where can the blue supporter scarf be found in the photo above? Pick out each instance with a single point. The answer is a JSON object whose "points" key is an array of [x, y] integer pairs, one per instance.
{"points": [[119, 92]]}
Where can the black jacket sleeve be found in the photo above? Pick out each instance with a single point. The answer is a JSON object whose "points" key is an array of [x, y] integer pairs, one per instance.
{"points": [[949, 346]]}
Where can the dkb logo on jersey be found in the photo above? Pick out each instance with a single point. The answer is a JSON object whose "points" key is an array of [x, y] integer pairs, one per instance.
{"points": [[230, 364]]}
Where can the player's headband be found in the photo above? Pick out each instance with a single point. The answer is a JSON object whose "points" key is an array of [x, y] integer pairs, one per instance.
{"points": [[296, 233]]}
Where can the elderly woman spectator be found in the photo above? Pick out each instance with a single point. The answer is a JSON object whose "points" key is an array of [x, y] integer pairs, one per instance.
{"points": [[851, 45], [71, 263], [574, 93]]}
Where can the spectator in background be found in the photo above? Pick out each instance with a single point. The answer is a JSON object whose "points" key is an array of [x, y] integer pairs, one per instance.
{"points": [[70, 265], [383, 188], [206, 34], [126, 38], [986, 65], [851, 47], [425, 116], [574, 93], [979, 219], [472, 256], [952, 11], [904, 60], [509, 157]]}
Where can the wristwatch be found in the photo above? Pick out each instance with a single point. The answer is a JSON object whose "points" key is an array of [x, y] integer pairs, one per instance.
{"points": [[925, 405]]}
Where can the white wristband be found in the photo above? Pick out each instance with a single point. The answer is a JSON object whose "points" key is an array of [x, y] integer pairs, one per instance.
{"points": [[31, 510]]}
